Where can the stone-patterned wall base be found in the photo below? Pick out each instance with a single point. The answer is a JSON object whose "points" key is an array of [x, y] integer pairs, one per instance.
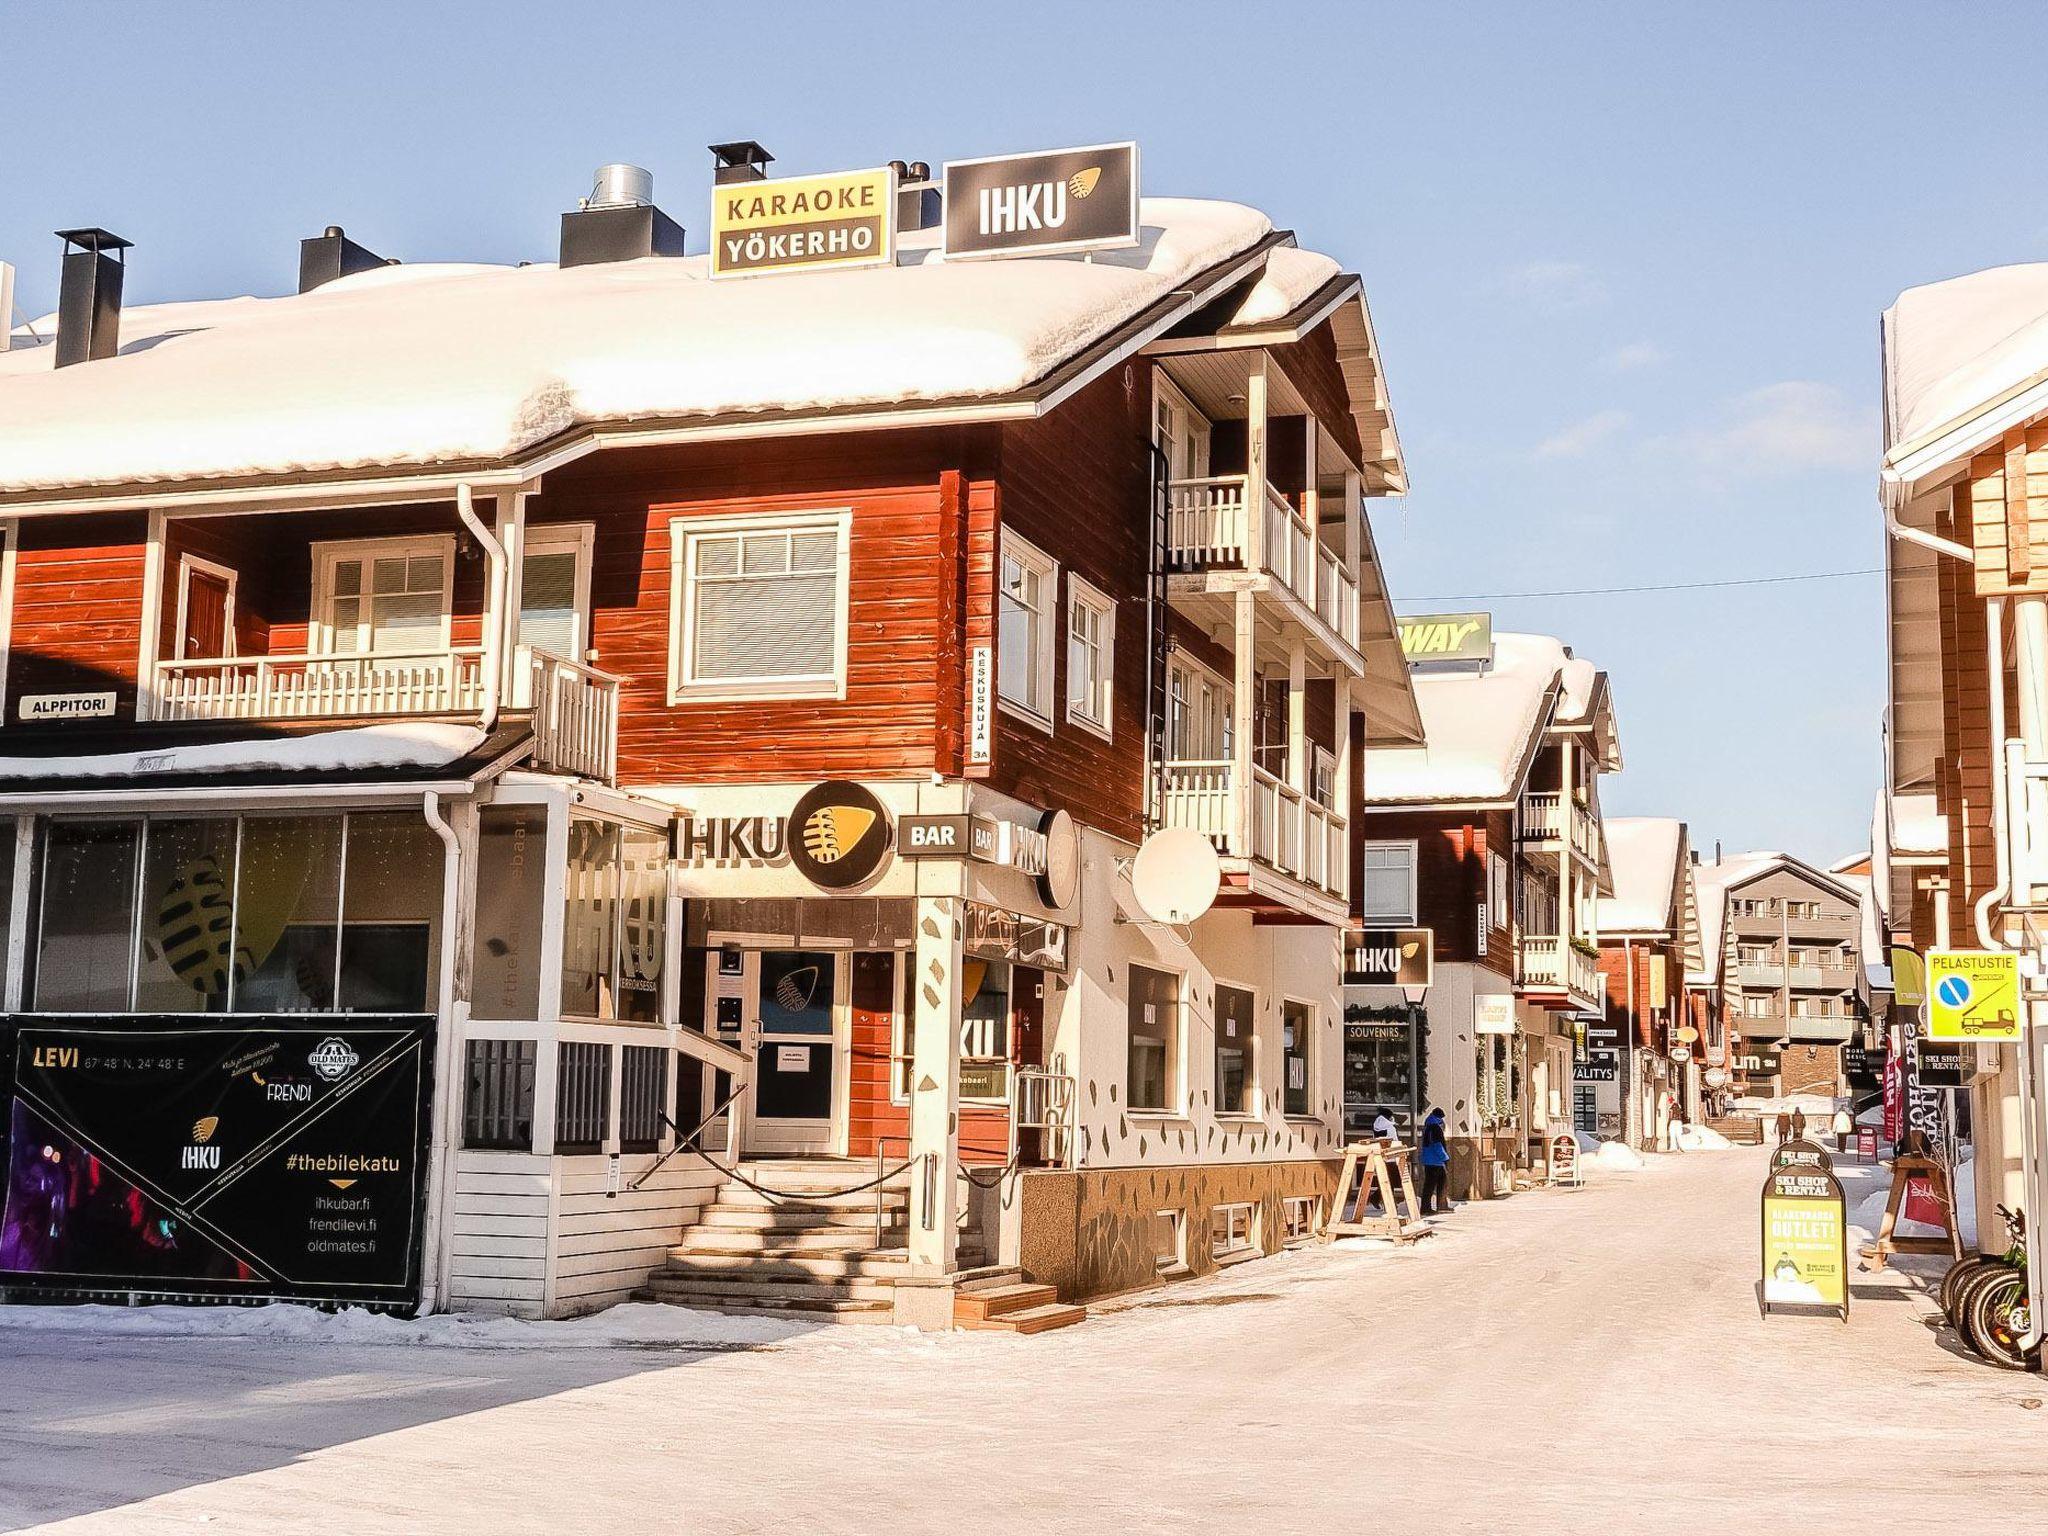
{"points": [[1091, 1233]]}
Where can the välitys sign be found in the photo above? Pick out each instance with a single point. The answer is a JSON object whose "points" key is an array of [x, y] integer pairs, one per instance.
{"points": [[1042, 203], [804, 223]]}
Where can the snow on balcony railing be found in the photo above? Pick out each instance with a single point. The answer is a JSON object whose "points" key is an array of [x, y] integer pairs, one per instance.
{"points": [[1290, 831]]}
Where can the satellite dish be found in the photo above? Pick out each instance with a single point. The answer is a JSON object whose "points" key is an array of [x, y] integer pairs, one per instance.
{"points": [[1176, 876]]}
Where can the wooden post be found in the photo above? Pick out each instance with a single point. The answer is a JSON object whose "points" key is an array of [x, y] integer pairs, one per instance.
{"points": [[1257, 556]]}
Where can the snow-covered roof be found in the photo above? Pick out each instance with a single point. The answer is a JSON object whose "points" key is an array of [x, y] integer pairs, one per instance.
{"points": [[1481, 727], [1955, 351], [1712, 899], [356, 750], [1644, 852], [1737, 869], [457, 364], [1290, 280], [1918, 828]]}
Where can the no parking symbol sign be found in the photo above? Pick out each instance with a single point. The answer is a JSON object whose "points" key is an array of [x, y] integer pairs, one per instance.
{"points": [[1973, 995]]}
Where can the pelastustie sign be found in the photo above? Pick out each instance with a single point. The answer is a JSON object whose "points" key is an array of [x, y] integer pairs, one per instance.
{"points": [[804, 223], [1040, 203]]}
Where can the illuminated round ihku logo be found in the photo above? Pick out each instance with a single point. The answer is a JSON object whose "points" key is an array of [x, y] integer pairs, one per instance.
{"points": [[839, 835], [332, 1058]]}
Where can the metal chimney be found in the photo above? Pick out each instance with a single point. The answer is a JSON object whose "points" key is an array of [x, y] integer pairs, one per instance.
{"points": [[741, 160], [618, 221], [89, 295], [330, 255], [917, 198]]}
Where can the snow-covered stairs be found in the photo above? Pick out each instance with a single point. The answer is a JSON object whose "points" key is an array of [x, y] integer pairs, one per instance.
{"points": [[816, 1249]]}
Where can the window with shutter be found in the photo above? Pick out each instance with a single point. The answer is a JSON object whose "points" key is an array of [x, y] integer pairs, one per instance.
{"points": [[759, 607]]}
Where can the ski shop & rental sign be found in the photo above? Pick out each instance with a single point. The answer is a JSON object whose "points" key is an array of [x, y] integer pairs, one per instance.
{"points": [[1805, 1247], [279, 1157]]}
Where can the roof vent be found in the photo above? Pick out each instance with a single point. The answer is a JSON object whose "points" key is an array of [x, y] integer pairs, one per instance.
{"points": [[618, 221], [741, 160], [330, 255], [917, 199], [89, 295]]}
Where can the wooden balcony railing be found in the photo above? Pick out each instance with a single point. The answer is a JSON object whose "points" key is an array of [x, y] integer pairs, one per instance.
{"points": [[1209, 527], [1290, 831], [575, 717], [1549, 962], [1544, 819]]}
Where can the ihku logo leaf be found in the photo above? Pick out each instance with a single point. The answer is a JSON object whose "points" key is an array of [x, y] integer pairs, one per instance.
{"points": [[832, 831], [204, 1127], [1082, 183]]}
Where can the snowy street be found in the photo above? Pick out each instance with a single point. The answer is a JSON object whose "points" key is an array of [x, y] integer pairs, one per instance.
{"points": [[1561, 1360]]}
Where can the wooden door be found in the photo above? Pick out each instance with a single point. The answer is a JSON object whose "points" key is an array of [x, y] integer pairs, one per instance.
{"points": [[205, 634]]}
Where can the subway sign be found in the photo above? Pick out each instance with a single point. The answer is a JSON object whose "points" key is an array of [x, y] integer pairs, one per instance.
{"points": [[1042, 203], [1448, 637]]}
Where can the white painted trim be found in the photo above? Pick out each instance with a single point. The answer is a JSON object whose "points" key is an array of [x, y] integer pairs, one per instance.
{"points": [[326, 553], [187, 564], [1014, 546], [18, 913], [1414, 847], [682, 530], [149, 640], [1180, 1093], [1084, 594]]}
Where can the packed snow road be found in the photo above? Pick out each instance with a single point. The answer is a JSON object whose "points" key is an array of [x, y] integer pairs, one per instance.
{"points": [[1587, 1360]]}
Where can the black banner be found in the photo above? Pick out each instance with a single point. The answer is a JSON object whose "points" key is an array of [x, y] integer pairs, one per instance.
{"points": [[261, 1158]]}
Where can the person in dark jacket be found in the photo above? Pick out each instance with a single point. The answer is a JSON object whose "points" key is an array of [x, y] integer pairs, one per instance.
{"points": [[1436, 1165]]}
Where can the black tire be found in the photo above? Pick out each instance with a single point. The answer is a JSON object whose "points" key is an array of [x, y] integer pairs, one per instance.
{"points": [[1996, 1315], [1952, 1284]]}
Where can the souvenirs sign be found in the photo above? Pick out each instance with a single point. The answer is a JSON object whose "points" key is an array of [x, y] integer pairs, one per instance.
{"points": [[278, 1157], [1805, 1251], [804, 223], [1973, 995], [1041, 203]]}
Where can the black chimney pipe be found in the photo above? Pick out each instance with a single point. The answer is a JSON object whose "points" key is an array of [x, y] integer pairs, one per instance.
{"points": [[330, 255], [741, 160], [89, 296]]}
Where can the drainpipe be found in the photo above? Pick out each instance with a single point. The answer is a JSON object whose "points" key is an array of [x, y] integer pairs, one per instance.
{"points": [[494, 606], [441, 1140]]}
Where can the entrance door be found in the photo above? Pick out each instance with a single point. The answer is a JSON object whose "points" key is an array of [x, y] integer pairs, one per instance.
{"points": [[207, 609], [794, 1039]]}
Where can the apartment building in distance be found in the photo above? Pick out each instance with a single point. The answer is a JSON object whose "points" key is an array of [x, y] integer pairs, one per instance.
{"points": [[1487, 835], [1798, 960], [646, 722]]}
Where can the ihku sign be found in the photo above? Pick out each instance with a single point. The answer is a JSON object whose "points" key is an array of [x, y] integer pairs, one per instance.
{"points": [[804, 223], [1390, 957], [1042, 203]]}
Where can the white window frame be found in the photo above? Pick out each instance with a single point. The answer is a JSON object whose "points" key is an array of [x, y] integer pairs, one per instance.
{"points": [[1256, 1086], [1308, 1058], [579, 539], [187, 564], [10, 530], [1232, 1248], [1084, 596], [1322, 777], [326, 555], [1176, 1105], [1051, 631], [1198, 675], [1414, 847], [1169, 397], [682, 606]]}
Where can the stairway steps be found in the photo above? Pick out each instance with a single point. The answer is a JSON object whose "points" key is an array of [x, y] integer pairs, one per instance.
{"points": [[843, 1311], [731, 1199], [788, 1219], [873, 1264], [665, 1285], [702, 1239], [1040, 1319], [1001, 1301]]}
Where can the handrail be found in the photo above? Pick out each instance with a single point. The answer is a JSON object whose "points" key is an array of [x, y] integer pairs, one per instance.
{"points": [[296, 658], [686, 1143]]}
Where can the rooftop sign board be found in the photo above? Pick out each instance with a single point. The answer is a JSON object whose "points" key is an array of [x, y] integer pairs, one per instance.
{"points": [[804, 223], [1042, 203], [1448, 637]]}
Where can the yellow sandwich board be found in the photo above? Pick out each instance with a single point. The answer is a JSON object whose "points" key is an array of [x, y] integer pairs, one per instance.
{"points": [[1973, 995]]}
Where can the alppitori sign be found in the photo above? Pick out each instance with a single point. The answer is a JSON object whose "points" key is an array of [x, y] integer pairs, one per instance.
{"points": [[804, 223], [1042, 203], [273, 1157]]}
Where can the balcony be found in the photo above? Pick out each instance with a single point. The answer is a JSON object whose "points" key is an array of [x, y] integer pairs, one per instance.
{"points": [[1546, 823], [1552, 965], [573, 708], [1770, 975], [1210, 528], [1291, 833]]}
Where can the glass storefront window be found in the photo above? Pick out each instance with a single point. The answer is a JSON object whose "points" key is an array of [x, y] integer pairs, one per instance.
{"points": [[643, 923], [1153, 1064], [1236, 1013], [287, 902], [985, 1030], [590, 920], [392, 898], [511, 865], [188, 931], [1296, 1020], [87, 941]]}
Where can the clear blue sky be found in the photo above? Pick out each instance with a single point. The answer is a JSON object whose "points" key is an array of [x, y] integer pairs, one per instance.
{"points": [[1626, 261]]}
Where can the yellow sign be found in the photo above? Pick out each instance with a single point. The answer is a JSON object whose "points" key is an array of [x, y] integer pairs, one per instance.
{"points": [[1805, 1241], [804, 223], [1448, 637], [1973, 995], [1909, 977]]}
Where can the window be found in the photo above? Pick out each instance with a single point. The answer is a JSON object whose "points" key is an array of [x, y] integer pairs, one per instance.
{"points": [[1389, 896], [1758, 1007], [1497, 912], [1169, 1241], [497, 1108], [1322, 779], [87, 930], [1198, 715], [512, 845], [385, 594], [291, 898], [615, 922], [985, 1030], [1091, 656], [757, 607], [188, 941], [1030, 579], [1236, 1051], [1297, 1022], [583, 1091], [1301, 1214], [1231, 1231], [554, 590], [1179, 431], [1153, 1068]]}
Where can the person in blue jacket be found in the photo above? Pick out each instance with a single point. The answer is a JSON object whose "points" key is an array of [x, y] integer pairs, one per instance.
{"points": [[1436, 1165]]}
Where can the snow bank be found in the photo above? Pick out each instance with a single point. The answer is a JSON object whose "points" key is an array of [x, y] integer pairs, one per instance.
{"points": [[1617, 1157], [629, 1325], [361, 749], [1703, 1138], [480, 363]]}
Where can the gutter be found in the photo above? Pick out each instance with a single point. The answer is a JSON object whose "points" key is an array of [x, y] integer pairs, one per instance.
{"points": [[494, 605]]}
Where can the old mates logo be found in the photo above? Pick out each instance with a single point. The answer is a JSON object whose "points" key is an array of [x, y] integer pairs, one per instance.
{"points": [[839, 835], [333, 1059]]}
